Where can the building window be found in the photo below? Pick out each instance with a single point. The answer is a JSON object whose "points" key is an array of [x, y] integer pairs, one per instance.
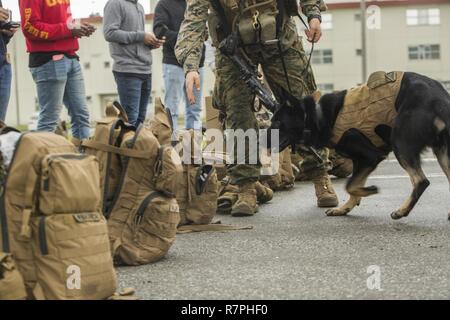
{"points": [[322, 56], [107, 64], [425, 52], [327, 21], [359, 52], [87, 65], [423, 17], [325, 87]]}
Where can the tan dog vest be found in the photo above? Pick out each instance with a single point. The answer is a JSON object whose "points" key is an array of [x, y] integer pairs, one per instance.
{"points": [[368, 106]]}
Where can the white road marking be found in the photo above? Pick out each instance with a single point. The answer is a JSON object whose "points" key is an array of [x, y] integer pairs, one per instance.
{"points": [[386, 177], [423, 160]]}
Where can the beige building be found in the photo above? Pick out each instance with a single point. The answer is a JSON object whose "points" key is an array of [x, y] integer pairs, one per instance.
{"points": [[407, 35]]}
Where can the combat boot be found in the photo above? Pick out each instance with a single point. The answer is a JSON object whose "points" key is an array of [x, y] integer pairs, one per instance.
{"points": [[246, 204], [263, 193], [326, 196], [343, 170], [341, 167], [228, 196], [273, 182]]}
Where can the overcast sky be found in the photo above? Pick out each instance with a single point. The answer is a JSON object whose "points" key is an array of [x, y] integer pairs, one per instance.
{"points": [[80, 8]]}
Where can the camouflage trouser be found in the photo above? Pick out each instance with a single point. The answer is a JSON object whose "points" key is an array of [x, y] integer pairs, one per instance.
{"points": [[234, 97], [308, 163]]}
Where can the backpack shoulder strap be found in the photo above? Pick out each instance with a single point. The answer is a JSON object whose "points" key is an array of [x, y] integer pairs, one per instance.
{"points": [[132, 153]]}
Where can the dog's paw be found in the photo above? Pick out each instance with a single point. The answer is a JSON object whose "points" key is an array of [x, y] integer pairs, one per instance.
{"points": [[337, 212], [397, 215]]}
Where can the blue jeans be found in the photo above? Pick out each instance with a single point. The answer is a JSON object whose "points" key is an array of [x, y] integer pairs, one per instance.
{"points": [[134, 93], [174, 82], [61, 82], [5, 89]]}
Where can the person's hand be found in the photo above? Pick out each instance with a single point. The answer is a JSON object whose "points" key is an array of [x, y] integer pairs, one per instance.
{"points": [[315, 30], [192, 83], [88, 29], [84, 30], [152, 41], [78, 32], [9, 33], [4, 15]]}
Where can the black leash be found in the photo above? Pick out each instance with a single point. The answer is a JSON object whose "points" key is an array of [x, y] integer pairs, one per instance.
{"points": [[283, 62], [312, 44]]}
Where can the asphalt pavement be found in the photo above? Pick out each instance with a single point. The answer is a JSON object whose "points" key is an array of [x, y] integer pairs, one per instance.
{"points": [[294, 251]]}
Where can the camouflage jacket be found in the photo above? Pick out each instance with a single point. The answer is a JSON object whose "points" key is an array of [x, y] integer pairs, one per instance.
{"points": [[193, 32]]}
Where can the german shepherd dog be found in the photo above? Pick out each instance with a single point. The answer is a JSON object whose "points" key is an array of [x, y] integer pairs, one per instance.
{"points": [[422, 120]]}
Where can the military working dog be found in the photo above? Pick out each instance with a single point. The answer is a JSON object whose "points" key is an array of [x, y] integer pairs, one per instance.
{"points": [[402, 112]]}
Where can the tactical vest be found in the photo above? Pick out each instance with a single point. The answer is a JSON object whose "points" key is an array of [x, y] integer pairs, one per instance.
{"points": [[368, 106], [256, 21]]}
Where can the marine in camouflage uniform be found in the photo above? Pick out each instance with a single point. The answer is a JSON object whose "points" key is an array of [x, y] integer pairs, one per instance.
{"points": [[234, 97]]}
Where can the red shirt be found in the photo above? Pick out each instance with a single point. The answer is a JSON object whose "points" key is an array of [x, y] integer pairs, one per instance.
{"points": [[45, 24]]}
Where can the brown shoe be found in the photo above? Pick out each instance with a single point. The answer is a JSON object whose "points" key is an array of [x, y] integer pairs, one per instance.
{"points": [[246, 204], [342, 167], [273, 182], [227, 198], [263, 193], [326, 196]]}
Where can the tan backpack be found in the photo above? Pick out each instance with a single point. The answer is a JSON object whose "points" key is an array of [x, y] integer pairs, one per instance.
{"points": [[197, 195], [145, 214], [51, 221], [197, 191], [139, 179], [161, 125], [105, 145], [214, 121], [12, 286]]}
